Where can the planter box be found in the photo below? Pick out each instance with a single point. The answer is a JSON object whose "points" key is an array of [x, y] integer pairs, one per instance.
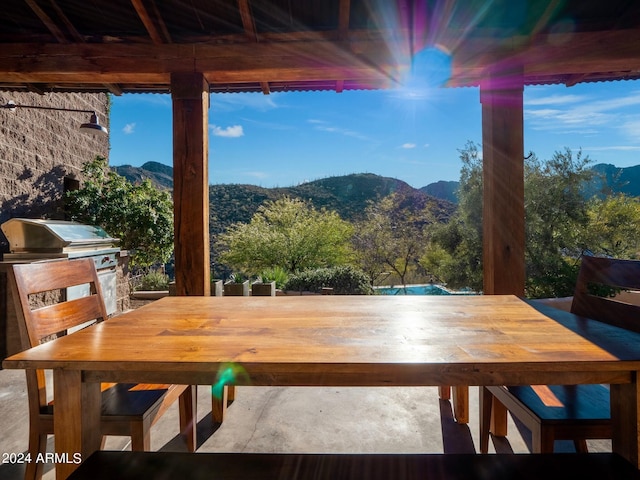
{"points": [[149, 294], [261, 289], [216, 288], [237, 289]]}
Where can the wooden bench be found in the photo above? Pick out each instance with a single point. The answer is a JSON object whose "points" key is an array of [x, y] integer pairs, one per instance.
{"points": [[569, 412], [266, 466]]}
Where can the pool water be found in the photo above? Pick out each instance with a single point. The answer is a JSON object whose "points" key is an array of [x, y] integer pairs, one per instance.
{"points": [[414, 290]]}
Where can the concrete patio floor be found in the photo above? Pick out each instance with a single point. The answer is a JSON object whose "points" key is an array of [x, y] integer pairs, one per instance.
{"points": [[300, 419]]}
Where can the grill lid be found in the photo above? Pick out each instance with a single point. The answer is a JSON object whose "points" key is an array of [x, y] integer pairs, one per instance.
{"points": [[54, 236]]}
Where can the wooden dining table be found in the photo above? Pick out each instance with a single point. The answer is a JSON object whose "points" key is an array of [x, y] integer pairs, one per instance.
{"points": [[363, 341]]}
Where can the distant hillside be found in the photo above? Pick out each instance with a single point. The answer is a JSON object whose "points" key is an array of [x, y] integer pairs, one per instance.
{"points": [[348, 195], [443, 189], [161, 175], [622, 180]]}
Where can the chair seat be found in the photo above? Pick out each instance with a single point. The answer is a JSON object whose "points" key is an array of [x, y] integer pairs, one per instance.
{"points": [[131, 400], [127, 399], [558, 403]]}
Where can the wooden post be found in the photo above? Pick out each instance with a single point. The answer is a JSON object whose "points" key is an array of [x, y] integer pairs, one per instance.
{"points": [[503, 177], [190, 96]]}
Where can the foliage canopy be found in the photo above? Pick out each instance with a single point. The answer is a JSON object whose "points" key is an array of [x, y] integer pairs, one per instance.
{"points": [[561, 223], [140, 215], [286, 233]]}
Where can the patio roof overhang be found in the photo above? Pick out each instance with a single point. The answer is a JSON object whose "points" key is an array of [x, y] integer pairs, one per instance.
{"points": [[196, 47]]}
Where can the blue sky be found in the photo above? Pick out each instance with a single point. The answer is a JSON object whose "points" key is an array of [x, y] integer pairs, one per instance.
{"points": [[412, 134]]}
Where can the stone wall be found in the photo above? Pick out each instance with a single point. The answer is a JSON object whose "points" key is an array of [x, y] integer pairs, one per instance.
{"points": [[40, 150]]}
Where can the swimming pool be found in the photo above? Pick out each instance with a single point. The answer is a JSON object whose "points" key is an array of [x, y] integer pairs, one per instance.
{"points": [[414, 290]]}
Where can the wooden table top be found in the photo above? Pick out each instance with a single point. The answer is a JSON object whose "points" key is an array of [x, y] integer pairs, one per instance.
{"points": [[346, 340]]}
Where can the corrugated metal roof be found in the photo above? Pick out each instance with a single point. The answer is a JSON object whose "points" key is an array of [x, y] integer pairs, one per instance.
{"points": [[278, 45]]}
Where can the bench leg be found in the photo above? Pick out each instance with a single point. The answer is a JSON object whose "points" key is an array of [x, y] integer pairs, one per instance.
{"points": [[542, 440], [498, 418], [461, 404], [444, 392], [486, 401]]}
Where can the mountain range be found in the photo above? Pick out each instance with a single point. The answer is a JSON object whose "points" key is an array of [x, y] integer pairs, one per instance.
{"points": [[348, 195]]}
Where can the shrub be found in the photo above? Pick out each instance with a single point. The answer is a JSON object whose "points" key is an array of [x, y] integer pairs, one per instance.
{"points": [[344, 279], [154, 281], [276, 274]]}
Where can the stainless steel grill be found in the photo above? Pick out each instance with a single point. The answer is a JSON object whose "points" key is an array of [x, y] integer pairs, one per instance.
{"points": [[34, 240]]}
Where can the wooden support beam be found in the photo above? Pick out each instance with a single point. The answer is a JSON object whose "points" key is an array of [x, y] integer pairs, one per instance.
{"points": [[48, 21], [68, 24], [503, 180], [152, 21], [343, 19], [249, 25], [190, 97], [152, 64], [248, 21]]}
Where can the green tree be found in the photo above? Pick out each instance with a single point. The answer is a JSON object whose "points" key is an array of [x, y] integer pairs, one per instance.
{"points": [[391, 237], [140, 215], [614, 226], [455, 251], [556, 222], [286, 233]]}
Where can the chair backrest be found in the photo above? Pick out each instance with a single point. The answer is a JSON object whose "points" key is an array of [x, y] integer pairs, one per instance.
{"points": [[44, 311], [41, 321], [601, 288]]}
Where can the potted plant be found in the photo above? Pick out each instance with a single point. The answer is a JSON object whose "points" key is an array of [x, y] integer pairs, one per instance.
{"points": [[263, 287], [237, 286]]}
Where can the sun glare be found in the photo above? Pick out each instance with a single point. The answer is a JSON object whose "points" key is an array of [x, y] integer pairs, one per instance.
{"points": [[430, 70]]}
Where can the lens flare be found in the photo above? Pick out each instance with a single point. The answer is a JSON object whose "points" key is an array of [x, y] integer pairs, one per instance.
{"points": [[229, 374]]}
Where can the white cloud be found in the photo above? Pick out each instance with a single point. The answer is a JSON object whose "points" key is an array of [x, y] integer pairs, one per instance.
{"points": [[323, 126], [554, 100], [579, 114], [129, 128], [408, 145], [234, 131], [617, 148], [632, 127], [239, 101]]}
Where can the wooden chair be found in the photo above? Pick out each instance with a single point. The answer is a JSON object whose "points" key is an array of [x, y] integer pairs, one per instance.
{"points": [[127, 409], [570, 412]]}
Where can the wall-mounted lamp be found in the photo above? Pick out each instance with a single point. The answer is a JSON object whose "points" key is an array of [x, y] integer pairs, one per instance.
{"points": [[93, 126]]}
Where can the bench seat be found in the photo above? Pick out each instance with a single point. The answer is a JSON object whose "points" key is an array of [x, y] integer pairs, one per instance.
{"points": [[267, 466]]}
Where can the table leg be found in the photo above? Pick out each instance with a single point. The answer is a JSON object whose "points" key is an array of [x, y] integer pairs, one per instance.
{"points": [[625, 405], [76, 420]]}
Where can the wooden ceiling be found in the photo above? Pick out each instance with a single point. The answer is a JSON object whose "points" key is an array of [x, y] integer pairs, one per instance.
{"points": [[276, 45]]}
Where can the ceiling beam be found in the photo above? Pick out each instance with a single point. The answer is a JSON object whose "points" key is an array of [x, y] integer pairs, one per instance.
{"points": [[68, 24], [52, 26], [549, 55], [58, 33], [116, 63], [249, 25], [152, 21], [343, 19], [248, 21]]}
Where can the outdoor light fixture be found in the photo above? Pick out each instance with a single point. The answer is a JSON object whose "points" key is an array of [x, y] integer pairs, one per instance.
{"points": [[93, 126]]}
